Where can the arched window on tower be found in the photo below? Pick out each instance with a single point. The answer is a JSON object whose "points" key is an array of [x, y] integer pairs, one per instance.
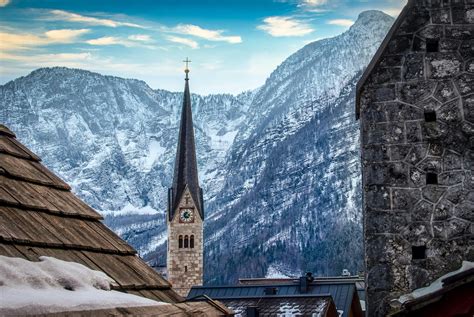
{"points": [[180, 242], [186, 242], [191, 242]]}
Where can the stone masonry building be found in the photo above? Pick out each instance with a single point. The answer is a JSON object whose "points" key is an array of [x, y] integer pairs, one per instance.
{"points": [[185, 209], [415, 103]]}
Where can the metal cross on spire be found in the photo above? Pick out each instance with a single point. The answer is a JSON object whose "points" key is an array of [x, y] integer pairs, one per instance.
{"points": [[186, 70]]}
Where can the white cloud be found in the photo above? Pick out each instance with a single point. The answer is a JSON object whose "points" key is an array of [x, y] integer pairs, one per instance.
{"points": [[15, 41], [4, 3], [140, 38], [210, 35], [65, 35], [314, 5], [184, 41], [316, 10], [285, 26], [341, 22], [47, 59], [74, 17], [131, 41], [314, 2], [106, 40]]}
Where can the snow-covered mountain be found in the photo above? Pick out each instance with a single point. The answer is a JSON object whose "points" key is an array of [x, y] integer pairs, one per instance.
{"points": [[279, 165]]}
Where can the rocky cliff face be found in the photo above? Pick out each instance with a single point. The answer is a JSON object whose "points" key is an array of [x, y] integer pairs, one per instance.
{"points": [[279, 165]]}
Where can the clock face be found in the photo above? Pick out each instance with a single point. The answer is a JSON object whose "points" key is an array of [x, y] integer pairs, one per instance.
{"points": [[186, 215]]}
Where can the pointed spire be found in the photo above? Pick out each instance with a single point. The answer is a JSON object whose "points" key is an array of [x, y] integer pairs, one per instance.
{"points": [[185, 168], [186, 70]]}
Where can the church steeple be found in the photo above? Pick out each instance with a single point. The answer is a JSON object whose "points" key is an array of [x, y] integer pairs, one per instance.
{"points": [[185, 255], [185, 168]]}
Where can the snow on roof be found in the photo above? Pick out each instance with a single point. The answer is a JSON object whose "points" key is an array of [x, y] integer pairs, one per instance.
{"points": [[53, 285], [436, 285]]}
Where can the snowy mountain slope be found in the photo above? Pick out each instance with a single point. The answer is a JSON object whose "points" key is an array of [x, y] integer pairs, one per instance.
{"points": [[293, 187], [114, 139], [279, 165]]}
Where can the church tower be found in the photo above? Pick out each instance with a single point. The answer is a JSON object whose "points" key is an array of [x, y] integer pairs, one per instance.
{"points": [[185, 208]]}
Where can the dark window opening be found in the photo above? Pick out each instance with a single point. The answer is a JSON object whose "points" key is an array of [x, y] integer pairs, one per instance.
{"points": [[191, 242], [185, 268], [186, 242], [431, 178], [271, 291], [180, 242], [430, 116], [418, 252], [432, 45]]}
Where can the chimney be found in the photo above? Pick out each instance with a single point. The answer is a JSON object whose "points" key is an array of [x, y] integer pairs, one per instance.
{"points": [[305, 282]]}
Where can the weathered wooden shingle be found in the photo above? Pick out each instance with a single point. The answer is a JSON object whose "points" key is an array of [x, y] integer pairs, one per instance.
{"points": [[30, 171], [23, 194]]}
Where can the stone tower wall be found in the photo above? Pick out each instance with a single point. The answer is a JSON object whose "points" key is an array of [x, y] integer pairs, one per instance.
{"points": [[417, 128], [185, 265]]}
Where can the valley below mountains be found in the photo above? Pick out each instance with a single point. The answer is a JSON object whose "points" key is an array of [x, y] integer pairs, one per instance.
{"points": [[279, 165]]}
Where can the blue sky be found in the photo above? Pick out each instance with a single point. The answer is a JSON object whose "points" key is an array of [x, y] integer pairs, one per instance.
{"points": [[233, 45]]}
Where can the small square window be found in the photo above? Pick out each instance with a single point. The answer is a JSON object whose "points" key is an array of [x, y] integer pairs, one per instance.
{"points": [[431, 178], [418, 252], [430, 116], [432, 45]]}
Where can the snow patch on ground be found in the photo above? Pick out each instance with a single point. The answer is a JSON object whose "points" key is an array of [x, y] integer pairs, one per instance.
{"points": [[436, 285], [155, 242], [130, 209], [155, 150], [274, 272], [222, 142], [53, 285]]}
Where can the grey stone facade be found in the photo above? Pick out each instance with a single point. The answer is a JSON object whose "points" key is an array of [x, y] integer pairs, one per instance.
{"points": [[185, 264], [416, 109]]}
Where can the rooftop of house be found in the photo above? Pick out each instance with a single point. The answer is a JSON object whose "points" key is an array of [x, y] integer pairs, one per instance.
{"points": [[343, 291], [40, 216], [451, 294], [284, 306]]}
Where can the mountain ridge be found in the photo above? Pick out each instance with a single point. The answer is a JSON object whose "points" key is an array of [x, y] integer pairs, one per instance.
{"points": [[279, 165]]}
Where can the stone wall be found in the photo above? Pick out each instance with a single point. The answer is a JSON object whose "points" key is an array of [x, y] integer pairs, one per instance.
{"points": [[417, 134], [185, 265]]}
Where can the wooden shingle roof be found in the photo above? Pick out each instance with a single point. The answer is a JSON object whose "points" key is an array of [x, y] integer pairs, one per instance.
{"points": [[40, 216]]}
